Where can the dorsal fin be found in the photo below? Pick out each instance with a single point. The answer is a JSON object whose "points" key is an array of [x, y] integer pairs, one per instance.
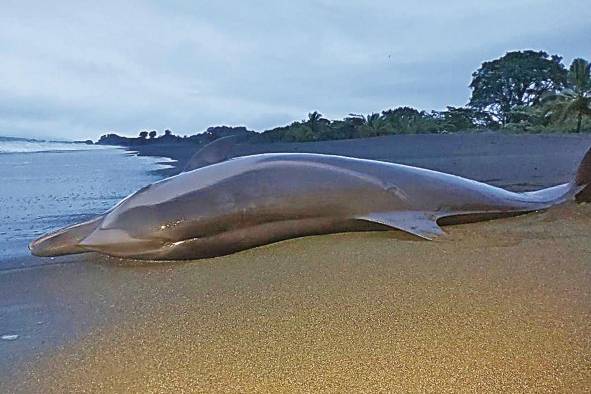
{"points": [[215, 152]]}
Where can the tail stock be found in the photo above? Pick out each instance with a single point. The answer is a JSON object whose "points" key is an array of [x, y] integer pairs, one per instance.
{"points": [[582, 181]]}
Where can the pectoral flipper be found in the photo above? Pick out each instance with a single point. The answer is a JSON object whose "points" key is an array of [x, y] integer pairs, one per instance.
{"points": [[421, 224]]}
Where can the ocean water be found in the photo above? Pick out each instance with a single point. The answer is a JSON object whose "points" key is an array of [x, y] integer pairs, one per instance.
{"points": [[48, 185], [23, 145]]}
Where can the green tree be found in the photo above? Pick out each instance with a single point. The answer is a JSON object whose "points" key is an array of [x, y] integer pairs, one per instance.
{"points": [[153, 134], [461, 118], [518, 79], [528, 119], [143, 135], [457, 119], [409, 120], [316, 122], [575, 99], [314, 117], [372, 125], [355, 120], [341, 129]]}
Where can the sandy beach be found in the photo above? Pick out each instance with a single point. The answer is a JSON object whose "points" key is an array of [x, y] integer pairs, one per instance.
{"points": [[499, 306]]}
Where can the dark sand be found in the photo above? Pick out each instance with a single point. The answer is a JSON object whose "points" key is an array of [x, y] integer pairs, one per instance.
{"points": [[497, 306], [517, 162]]}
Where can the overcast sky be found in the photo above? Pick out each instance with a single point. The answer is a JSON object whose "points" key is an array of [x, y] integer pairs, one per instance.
{"points": [[78, 69]]}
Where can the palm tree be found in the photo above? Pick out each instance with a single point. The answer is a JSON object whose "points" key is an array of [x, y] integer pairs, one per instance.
{"points": [[314, 117], [576, 98], [316, 122], [373, 120], [355, 120], [373, 125]]}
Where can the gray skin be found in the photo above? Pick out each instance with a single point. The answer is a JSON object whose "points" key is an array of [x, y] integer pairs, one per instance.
{"points": [[255, 200]]}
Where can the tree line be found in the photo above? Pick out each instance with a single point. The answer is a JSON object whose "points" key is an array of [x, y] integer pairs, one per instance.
{"points": [[522, 91], [151, 137]]}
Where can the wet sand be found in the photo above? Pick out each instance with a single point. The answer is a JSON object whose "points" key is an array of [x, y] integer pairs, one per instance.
{"points": [[498, 306]]}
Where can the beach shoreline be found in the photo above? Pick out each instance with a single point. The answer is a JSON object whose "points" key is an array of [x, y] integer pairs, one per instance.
{"points": [[494, 305]]}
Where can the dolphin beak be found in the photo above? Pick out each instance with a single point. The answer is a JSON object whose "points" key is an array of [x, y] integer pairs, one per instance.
{"points": [[55, 244], [64, 241], [38, 248]]}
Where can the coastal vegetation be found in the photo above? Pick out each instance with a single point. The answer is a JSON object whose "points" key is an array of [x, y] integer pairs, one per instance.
{"points": [[575, 98], [168, 137], [522, 91]]}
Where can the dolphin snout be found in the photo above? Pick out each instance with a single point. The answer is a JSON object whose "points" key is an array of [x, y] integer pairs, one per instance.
{"points": [[54, 244], [39, 248], [64, 241]]}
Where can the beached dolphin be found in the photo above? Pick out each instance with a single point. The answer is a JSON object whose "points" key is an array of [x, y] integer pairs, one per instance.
{"points": [[255, 200]]}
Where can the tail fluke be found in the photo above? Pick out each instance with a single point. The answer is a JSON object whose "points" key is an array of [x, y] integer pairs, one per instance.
{"points": [[64, 241], [583, 179]]}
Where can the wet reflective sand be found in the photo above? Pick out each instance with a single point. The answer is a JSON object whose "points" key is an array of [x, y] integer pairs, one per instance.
{"points": [[497, 306]]}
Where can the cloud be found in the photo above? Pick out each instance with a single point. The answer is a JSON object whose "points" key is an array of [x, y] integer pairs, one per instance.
{"points": [[75, 69]]}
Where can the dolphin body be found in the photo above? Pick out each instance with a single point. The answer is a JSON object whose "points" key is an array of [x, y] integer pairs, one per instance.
{"points": [[254, 200]]}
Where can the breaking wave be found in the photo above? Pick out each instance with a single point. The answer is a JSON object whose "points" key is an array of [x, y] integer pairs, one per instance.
{"points": [[23, 145]]}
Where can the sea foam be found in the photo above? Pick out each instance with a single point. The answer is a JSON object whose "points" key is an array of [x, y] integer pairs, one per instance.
{"points": [[23, 145]]}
